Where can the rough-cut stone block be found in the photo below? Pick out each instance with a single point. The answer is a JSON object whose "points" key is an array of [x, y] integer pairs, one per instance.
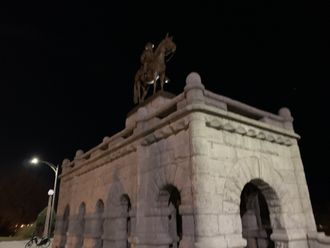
{"points": [[211, 242], [219, 185], [182, 177], [200, 147], [294, 221], [181, 149], [292, 206], [206, 225], [207, 204], [229, 224], [205, 183], [235, 241], [230, 208], [220, 151], [188, 225], [232, 139], [306, 204]]}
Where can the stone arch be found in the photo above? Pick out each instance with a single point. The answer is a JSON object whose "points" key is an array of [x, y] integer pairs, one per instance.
{"points": [[116, 190], [170, 197], [98, 228], [174, 174], [261, 170], [65, 226], [177, 175], [117, 220], [254, 212], [126, 206], [262, 173], [81, 225]]}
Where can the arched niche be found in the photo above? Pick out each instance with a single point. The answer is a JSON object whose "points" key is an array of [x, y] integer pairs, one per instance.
{"points": [[65, 226], [255, 215], [171, 197], [81, 225], [99, 219]]}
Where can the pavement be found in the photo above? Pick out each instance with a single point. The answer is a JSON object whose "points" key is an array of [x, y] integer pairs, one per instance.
{"points": [[14, 244]]}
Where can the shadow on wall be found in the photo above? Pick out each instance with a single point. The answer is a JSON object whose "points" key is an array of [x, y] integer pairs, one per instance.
{"points": [[117, 220]]}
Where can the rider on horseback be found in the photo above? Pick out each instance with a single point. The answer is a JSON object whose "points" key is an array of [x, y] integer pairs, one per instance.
{"points": [[152, 68], [147, 57]]}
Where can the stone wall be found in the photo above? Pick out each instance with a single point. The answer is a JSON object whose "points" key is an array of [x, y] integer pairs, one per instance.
{"points": [[205, 146], [318, 240]]}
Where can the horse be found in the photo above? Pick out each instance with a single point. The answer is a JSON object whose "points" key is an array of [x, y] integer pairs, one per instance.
{"points": [[140, 86], [165, 48], [155, 70]]}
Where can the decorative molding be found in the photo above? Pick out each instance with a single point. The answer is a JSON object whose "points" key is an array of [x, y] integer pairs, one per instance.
{"points": [[165, 132], [215, 123]]}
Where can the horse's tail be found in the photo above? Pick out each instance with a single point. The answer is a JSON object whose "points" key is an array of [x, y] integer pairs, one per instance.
{"points": [[136, 90], [135, 93]]}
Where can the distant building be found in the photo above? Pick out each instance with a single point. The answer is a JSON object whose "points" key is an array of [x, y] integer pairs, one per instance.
{"points": [[193, 170]]}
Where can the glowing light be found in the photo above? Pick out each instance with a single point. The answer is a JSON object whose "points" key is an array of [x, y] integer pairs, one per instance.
{"points": [[34, 161]]}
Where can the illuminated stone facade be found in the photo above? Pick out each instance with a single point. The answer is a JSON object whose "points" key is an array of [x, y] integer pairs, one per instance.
{"points": [[193, 170]]}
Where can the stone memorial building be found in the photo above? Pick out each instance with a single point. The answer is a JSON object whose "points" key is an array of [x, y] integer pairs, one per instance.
{"points": [[196, 170]]}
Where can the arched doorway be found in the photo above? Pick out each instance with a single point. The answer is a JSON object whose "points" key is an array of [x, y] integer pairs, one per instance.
{"points": [[81, 225], [125, 203], [99, 224], [65, 226], [175, 219], [254, 211]]}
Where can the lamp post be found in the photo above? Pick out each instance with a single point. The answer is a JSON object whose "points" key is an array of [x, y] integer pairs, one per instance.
{"points": [[47, 222], [55, 169]]}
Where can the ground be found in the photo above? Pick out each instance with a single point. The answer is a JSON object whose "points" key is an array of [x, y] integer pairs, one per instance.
{"points": [[13, 244]]}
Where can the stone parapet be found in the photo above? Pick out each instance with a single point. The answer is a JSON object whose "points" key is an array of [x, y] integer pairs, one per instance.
{"points": [[163, 108], [318, 240]]}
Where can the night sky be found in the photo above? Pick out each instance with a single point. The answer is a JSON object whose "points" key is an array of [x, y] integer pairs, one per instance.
{"points": [[67, 72]]}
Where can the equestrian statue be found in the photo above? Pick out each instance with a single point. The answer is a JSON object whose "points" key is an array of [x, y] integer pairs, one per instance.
{"points": [[153, 68]]}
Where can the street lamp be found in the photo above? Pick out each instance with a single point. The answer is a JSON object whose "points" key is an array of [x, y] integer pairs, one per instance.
{"points": [[55, 169], [48, 215]]}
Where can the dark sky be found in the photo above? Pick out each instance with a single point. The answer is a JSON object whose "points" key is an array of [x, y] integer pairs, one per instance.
{"points": [[67, 73]]}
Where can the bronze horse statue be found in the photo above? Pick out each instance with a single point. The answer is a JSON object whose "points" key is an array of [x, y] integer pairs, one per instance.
{"points": [[155, 69]]}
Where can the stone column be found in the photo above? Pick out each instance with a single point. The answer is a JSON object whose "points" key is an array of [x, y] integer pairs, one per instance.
{"points": [[152, 223], [204, 222], [302, 222], [58, 233], [132, 215], [211, 229], [72, 238], [194, 92], [188, 226], [115, 224], [93, 230]]}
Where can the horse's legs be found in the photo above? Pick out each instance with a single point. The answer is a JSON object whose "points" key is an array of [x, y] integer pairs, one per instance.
{"points": [[155, 82], [162, 80], [145, 91], [136, 92], [139, 91]]}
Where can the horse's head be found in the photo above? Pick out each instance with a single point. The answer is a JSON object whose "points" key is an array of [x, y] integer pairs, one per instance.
{"points": [[169, 45], [166, 46]]}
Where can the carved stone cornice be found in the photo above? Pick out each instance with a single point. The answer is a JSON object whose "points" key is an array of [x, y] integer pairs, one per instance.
{"points": [[252, 132]]}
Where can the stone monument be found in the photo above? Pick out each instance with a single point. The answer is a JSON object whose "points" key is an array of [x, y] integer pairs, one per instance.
{"points": [[196, 170]]}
